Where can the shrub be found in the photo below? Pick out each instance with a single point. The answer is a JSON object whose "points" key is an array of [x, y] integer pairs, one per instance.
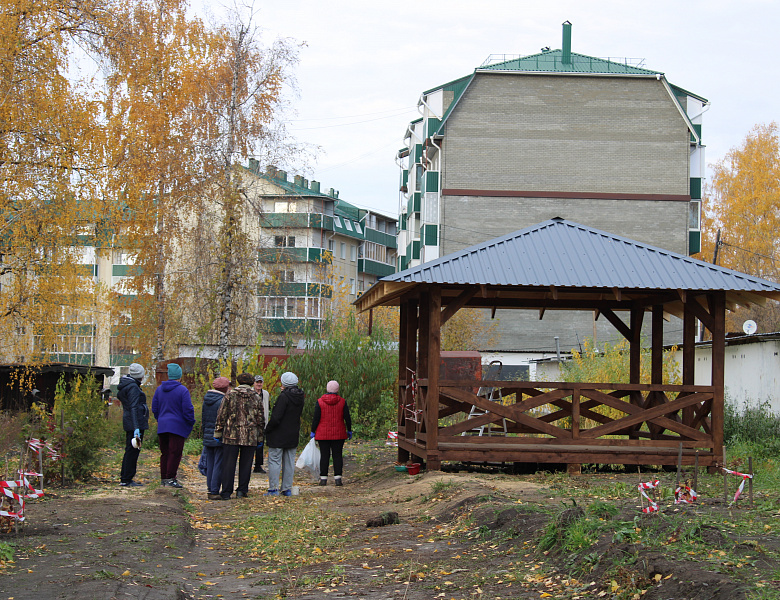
{"points": [[366, 368], [86, 430], [755, 426]]}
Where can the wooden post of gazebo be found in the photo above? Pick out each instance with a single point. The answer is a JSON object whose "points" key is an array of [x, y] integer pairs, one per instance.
{"points": [[434, 363], [717, 306]]}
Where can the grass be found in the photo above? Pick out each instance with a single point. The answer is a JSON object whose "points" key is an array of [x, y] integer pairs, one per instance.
{"points": [[293, 533]]}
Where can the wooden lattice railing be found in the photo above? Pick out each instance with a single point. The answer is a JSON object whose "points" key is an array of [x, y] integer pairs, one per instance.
{"points": [[567, 415]]}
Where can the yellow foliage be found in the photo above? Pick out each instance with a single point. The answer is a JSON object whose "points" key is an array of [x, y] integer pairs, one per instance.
{"points": [[741, 201]]}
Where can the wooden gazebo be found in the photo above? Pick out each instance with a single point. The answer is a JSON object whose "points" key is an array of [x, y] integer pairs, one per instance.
{"points": [[561, 265]]}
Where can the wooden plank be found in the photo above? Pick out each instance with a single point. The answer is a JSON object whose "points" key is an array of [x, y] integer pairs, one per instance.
{"points": [[509, 441], [469, 424], [574, 457], [528, 386], [700, 312]]}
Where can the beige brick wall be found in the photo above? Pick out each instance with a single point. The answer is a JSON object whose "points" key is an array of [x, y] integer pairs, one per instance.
{"points": [[566, 133]]}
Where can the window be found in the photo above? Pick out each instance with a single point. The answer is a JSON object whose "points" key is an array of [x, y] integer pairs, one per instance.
{"points": [[352, 252], [347, 224], [352, 289], [313, 308], [694, 215], [123, 258], [331, 245], [337, 221], [283, 276], [284, 241], [357, 228], [343, 251], [277, 307], [284, 206]]}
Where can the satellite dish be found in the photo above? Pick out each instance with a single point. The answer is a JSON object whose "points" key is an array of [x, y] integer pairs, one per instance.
{"points": [[749, 327]]}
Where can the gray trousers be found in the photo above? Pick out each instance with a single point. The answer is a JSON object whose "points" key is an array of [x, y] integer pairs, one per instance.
{"points": [[281, 459]]}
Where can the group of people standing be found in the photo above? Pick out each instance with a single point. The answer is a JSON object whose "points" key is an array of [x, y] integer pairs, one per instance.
{"points": [[237, 424]]}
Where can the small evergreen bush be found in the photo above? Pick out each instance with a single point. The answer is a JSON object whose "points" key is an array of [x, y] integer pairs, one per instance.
{"points": [[86, 430]]}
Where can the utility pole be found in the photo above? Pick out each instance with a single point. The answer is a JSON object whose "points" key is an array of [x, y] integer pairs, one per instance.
{"points": [[717, 247]]}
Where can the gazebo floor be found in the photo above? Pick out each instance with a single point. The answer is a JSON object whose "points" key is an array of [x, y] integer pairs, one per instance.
{"points": [[549, 453]]}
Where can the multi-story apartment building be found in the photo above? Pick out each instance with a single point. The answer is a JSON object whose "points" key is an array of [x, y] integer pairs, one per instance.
{"points": [[311, 241], [603, 142]]}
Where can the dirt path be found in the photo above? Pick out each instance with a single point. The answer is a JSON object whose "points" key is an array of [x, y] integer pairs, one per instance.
{"points": [[460, 535]]}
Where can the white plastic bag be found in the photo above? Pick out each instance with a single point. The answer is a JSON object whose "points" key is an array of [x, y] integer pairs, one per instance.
{"points": [[310, 458]]}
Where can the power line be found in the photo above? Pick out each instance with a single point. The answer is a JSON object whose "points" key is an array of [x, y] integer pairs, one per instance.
{"points": [[395, 111]]}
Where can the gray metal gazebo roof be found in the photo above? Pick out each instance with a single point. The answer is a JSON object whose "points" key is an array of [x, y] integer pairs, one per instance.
{"points": [[566, 259]]}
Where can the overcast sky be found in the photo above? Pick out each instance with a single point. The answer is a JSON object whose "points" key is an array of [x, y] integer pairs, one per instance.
{"points": [[365, 64]]}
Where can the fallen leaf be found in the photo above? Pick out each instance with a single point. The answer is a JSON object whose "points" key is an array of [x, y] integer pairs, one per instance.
{"points": [[126, 574]]}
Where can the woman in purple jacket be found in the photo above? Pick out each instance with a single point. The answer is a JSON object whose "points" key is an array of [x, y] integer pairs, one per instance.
{"points": [[172, 407]]}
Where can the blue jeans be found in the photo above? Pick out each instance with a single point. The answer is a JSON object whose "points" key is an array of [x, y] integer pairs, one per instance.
{"points": [[281, 459], [213, 468]]}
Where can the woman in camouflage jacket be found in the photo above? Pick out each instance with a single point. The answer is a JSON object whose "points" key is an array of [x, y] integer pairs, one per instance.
{"points": [[239, 425]]}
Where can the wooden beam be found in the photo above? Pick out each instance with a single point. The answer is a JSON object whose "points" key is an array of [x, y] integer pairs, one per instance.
{"points": [[617, 294], [717, 303], [457, 304], [554, 291], [434, 362], [701, 313], [541, 313], [617, 323]]}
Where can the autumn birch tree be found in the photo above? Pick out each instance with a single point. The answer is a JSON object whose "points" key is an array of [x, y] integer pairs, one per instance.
{"points": [[743, 202], [51, 160], [158, 66], [245, 92]]}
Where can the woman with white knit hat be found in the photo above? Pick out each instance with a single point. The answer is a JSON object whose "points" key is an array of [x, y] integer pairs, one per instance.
{"points": [[281, 435]]}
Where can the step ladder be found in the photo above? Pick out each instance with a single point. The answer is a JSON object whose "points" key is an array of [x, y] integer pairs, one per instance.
{"points": [[488, 393]]}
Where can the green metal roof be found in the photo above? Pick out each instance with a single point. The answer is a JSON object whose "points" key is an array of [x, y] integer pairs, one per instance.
{"points": [[551, 62], [289, 187]]}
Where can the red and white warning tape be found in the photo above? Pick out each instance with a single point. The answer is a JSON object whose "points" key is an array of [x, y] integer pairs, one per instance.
{"points": [[648, 485], [745, 477], [37, 446], [685, 494], [392, 438], [18, 491]]}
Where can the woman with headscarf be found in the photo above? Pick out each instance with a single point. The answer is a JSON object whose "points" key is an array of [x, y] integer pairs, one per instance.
{"points": [[172, 407], [330, 426]]}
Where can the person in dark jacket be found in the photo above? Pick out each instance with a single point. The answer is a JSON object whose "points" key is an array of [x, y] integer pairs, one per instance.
{"points": [[330, 426], [281, 435], [172, 407], [239, 425], [212, 448], [135, 421]]}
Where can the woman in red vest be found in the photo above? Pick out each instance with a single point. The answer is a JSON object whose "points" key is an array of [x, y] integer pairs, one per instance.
{"points": [[330, 427]]}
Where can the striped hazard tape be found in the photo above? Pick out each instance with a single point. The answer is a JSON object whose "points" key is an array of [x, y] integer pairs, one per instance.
{"points": [[652, 505], [17, 491], [745, 477], [685, 494]]}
